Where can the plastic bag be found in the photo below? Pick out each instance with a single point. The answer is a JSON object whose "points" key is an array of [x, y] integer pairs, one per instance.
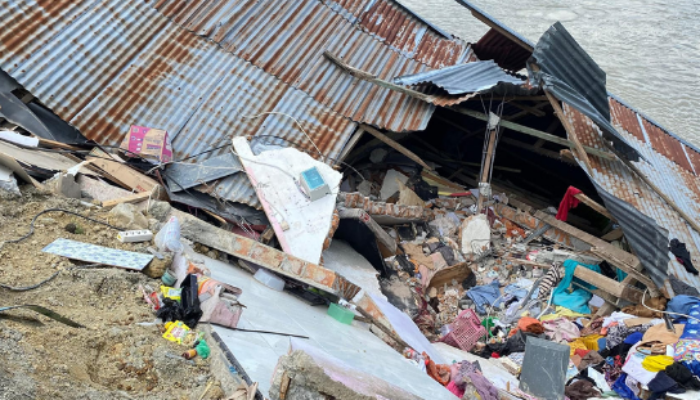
{"points": [[168, 238]]}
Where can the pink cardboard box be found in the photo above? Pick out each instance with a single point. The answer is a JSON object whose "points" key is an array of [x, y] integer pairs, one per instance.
{"points": [[150, 143]]}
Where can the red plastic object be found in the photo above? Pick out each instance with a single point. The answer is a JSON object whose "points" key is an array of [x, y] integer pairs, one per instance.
{"points": [[466, 331]]}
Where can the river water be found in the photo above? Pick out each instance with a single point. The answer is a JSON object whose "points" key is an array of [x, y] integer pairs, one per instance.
{"points": [[649, 49]]}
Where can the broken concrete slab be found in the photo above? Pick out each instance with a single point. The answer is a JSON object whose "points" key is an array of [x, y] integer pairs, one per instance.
{"points": [[301, 225], [390, 185], [309, 373], [354, 344], [343, 259], [475, 234], [8, 181]]}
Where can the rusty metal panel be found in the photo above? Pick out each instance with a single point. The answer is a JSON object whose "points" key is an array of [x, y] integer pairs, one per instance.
{"points": [[626, 119], [349, 9], [494, 46], [666, 145], [694, 158], [287, 39], [679, 184]]}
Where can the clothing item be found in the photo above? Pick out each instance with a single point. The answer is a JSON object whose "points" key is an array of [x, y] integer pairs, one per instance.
{"points": [[633, 367], [567, 203], [620, 387], [657, 363], [577, 299], [550, 281], [682, 255], [693, 366], [679, 287], [561, 330], [633, 385], [612, 368], [593, 327], [683, 376], [634, 338], [682, 304], [657, 303], [662, 384], [454, 388], [528, 324], [658, 337], [483, 386], [591, 359], [484, 295], [582, 389], [618, 333], [687, 350], [692, 326], [616, 317]]}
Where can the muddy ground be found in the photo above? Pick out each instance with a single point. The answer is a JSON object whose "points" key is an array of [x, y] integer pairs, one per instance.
{"points": [[120, 353]]}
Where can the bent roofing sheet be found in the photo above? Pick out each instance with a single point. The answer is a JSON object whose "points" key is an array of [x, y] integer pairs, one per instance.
{"points": [[104, 65], [618, 180], [495, 46], [288, 39], [464, 78]]}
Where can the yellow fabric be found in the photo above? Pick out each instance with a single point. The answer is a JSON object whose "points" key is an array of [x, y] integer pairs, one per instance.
{"points": [[657, 363], [589, 342], [561, 312]]}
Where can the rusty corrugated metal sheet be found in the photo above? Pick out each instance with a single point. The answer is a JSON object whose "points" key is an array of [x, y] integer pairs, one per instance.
{"points": [[666, 145], [105, 65], [626, 119], [679, 184], [494, 46], [287, 39]]}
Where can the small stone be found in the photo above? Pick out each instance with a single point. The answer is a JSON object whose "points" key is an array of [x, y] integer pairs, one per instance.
{"points": [[71, 228]]}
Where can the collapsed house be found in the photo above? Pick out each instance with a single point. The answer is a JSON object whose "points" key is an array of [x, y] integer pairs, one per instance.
{"points": [[371, 89]]}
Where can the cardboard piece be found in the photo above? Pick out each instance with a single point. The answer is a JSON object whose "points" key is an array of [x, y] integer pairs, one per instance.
{"points": [[98, 254], [121, 173], [152, 144]]}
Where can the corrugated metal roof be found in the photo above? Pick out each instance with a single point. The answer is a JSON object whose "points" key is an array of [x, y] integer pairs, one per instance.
{"points": [[616, 179], [570, 74], [475, 77], [495, 46], [287, 39], [109, 64]]}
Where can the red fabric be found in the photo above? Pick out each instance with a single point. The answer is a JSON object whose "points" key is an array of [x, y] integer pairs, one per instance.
{"points": [[495, 355], [567, 203], [581, 352], [452, 387]]}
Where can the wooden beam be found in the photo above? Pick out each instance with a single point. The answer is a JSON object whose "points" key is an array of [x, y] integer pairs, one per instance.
{"points": [[580, 151], [632, 271], [534, 132], [538, 150], [530, 110], [134, 198], [594, 205], [395, 337], [487, 162], [350, 145], [602, 282], [395, 145], [357, 73]]}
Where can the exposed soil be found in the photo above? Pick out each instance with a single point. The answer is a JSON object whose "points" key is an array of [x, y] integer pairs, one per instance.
{"points": [[113, 357]]}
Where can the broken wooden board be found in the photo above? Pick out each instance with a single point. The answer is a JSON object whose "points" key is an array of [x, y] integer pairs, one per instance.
{"points": [[98, 254], [267, 257], [40, 159], [458, 272], [133, 198], [301, 225], [121, 173]]}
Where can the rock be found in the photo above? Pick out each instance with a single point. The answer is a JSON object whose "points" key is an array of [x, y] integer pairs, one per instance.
{"points": [[71, 228], [47, 221], [390, 185], [159, 209], [475, 235], [127, 216]]}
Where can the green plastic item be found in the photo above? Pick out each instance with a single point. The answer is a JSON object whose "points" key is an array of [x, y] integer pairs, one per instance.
{"points": [[203, 349], [341, 314]]}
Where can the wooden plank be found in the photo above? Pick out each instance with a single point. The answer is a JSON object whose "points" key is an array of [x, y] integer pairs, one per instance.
{"points": [[396, 146], [594, 205], [538, 150], [530, 110], [627, 258], [58, 145], [629, 269], [487, 162], [583, 156], [350, 145], [442, 181], [121, 173], [393, 335], [611, 286], [459, 272], [284, 385], [129, 199]]}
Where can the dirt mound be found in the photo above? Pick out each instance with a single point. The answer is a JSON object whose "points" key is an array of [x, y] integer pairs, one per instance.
{"points": [[120, 352]]}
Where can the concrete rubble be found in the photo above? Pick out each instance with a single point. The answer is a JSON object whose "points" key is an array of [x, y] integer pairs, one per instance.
{"points": [[315, 252]]}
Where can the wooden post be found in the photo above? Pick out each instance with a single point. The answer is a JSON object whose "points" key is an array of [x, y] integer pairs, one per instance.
{"points": [[350, 145], [594, 205], [488, 161], [580, 151]]}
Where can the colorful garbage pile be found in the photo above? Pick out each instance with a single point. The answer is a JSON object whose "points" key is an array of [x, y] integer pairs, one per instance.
{"points": [[486, 283]]}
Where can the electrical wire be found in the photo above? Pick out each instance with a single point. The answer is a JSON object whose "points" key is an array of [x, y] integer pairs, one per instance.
{"points": [[49, 279], [293, 119]]}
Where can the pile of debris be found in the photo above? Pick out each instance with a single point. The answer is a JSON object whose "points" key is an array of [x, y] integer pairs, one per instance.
{"points": [[278, 233]]}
